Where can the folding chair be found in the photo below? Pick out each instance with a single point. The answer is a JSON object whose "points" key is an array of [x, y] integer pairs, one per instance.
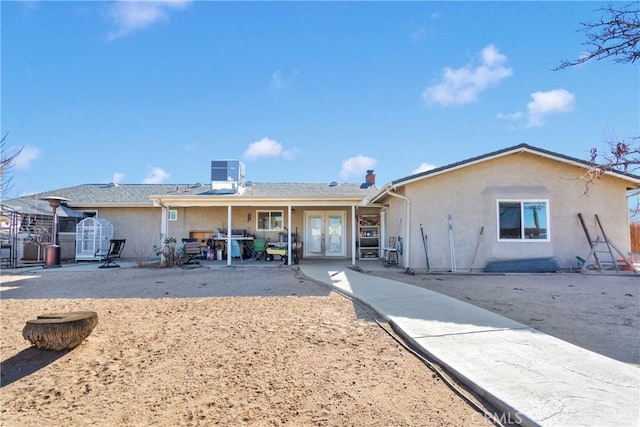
{"points": [[115, 249], [259, 249]]}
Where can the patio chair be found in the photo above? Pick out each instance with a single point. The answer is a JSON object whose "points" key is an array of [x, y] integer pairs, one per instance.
{"points": [[191, 251], [115, 250], [390, 253], [235, 250], [259, 249]]}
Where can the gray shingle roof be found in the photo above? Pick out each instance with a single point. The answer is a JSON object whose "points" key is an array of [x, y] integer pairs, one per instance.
{"points": [[102, 195]]}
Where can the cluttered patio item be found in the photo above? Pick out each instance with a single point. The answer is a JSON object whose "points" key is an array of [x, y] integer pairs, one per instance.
{"points": [[59, 331], [191, 249], [529, 265], [235, 250], [282, 251], [114, 251], [390, 253], [259, 249]]}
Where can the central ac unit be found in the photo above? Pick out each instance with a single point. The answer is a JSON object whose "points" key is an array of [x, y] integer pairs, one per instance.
{"points": [[226, 175]]}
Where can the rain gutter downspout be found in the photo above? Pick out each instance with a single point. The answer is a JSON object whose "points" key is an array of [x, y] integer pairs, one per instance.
{"points": [[407, 244]]}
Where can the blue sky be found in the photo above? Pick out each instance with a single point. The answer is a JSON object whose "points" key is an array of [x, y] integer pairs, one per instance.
{"points": [[151, 92]]}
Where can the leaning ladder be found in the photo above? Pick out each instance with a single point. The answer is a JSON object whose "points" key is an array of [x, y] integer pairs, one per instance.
{"points": [[602, 251]]}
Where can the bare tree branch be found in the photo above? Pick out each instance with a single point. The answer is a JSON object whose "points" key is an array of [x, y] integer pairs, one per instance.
{"points": [[6, 164], [616, 35]]}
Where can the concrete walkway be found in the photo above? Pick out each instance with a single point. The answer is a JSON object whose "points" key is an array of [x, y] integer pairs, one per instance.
{"points": [[535, 378]]}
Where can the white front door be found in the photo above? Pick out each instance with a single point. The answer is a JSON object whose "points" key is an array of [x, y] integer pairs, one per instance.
{"points": [[324, 234]]}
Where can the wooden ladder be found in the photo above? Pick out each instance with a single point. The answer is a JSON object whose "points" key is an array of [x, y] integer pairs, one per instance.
{"points": [[602, 251]]}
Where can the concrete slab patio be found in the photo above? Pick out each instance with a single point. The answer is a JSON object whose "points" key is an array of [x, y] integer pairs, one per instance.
{"points": [[535, 378]]}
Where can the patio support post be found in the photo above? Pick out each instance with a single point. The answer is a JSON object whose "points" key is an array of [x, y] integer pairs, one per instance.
{"points": [[289, 241], [164, 228], [353, 235], [229, 235]]}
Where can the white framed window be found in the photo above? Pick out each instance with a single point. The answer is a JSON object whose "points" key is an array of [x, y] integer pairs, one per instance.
{"points": [[173, 215], [523, 220], [269, 220]]}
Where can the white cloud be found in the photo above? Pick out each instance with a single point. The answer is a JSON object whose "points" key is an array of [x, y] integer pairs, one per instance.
{"points": [[423, 168], [510, 116], [264, 148], [551, 102], [279, 81], [356, 166], [290, 154], [131, 16], [419, 35], [543, 104], [26, 157], [156, 176], [190, 146], [118, 177], [464, 85], [268, 148]]}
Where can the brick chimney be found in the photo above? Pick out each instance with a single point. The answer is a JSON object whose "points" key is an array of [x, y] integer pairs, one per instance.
{"points": [[370, 178]]}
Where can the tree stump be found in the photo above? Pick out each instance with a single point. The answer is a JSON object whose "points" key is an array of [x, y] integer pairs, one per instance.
{"points": [[59, 331]]}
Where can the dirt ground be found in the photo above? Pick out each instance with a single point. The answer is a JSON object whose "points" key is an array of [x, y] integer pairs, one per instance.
{"points": [[213, 347]]}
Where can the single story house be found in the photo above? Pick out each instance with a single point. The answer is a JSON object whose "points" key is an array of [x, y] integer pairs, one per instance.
{"points": [[520, 202], [319, 217], [516, 203]]}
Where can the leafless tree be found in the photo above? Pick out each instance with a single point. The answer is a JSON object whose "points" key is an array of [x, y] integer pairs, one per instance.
{"points": [[621, 154], [6, 164], [615, 36]]}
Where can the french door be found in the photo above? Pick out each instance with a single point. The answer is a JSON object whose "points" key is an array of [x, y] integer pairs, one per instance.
{"points": [[325, 234]]}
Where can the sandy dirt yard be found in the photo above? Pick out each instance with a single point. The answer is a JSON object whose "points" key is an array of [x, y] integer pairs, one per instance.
{"points": [[232, 347]]}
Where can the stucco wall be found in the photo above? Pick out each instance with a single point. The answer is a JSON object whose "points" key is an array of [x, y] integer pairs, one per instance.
{"points": [[214, 218], [141, 226], [470, 193]]}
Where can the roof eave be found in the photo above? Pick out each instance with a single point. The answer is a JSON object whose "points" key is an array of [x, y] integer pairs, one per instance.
{"points": [[203, 201], [517, 149]]}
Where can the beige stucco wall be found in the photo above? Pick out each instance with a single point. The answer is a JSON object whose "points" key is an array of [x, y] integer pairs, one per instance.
{"points": [[470, 193], [141, 226], [214, 218]]}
